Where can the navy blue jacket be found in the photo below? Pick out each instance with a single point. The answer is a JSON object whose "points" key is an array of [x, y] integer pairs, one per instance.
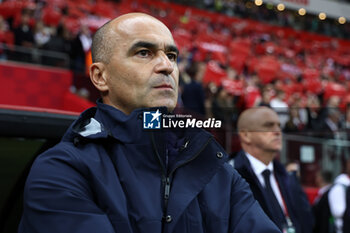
{"points": [[298, 206], [107, 175]]}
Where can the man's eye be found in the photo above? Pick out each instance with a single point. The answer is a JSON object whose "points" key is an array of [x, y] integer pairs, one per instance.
{"points": [[268, 125], [144, 53], [172, 56]]}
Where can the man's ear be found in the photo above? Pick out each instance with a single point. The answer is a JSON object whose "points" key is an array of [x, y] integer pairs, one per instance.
{"points": [[98, 76], [244, 135]]}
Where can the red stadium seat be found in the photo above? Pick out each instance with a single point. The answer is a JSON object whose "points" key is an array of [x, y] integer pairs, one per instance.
{"points": [[240, 46], [251, 96], [267, 69], [72, 24], [7, 37], [10, 9], [334, 89], [182, 38], [313, 86], [213, 73], [310, 73], [237, 62], [233, 87], [104, 9], [37, 87], [51, 16]]}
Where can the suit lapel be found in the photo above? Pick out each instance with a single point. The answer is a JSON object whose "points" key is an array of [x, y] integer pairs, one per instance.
{"points": [[243, 166]]}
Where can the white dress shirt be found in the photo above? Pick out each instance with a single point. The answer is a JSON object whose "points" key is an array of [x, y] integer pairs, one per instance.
{"points": [[258, 168], [337, 201]]}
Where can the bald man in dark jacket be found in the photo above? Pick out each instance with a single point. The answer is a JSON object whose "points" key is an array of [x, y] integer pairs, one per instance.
{"points": [[278, 192]]}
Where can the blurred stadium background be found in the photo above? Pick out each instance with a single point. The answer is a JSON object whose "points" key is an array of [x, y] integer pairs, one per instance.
{"points": [[291, 55]]}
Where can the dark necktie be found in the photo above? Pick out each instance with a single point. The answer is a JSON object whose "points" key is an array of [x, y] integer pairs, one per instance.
{"points": [[276, 210]]}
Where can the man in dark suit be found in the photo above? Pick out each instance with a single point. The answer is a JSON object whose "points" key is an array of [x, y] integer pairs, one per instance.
{"points": [[331, 125], [278, 192]]}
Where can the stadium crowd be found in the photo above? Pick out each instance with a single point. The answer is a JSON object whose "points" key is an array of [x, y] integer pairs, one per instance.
{"points": [[227, 64]]}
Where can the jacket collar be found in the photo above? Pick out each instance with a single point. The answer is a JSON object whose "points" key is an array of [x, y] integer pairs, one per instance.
{"points": [[105, 120], [242, 164], [125, 128]]}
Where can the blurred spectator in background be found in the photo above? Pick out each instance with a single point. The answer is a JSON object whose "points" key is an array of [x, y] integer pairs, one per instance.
{"points": [[193, 92], [234, 85], [337, 199], [208, 4], [222, 105], [331, 124], [24, 36], [346, 125], [42, 34], [81, 45], [231, 83], [294, 123], [314, 113], [279, 104], [347, 120], [6, 38], [222, 109], [333, 102], [293, 168], [85, 38], [60, 41], [278, 192], [324, 221], [324, 180], [266, 94], [279, 101]]}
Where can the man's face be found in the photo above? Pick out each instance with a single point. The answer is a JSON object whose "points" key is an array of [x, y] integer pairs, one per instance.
{"points": [[143, 70], [266, 134]]}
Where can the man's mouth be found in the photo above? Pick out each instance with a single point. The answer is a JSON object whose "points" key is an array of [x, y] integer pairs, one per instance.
{"points": [[278, 139], [164, 86]]}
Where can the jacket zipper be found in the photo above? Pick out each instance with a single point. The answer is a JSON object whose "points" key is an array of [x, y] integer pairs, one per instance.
{"points": [[167, 176], [166, 191]]}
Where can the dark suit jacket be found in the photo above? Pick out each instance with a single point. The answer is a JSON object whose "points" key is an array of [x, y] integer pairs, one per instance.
{"points": [[298, 206]]}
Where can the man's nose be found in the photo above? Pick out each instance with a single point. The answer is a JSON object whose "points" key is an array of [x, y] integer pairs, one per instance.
{"points": [[277, 129], [164, 65]]}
